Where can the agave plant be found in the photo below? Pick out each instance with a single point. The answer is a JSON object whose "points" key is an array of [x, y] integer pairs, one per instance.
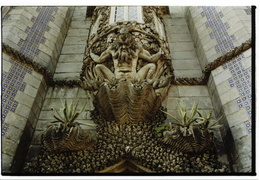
{"points": [[70, 114], [206, 119], [186, 119]]}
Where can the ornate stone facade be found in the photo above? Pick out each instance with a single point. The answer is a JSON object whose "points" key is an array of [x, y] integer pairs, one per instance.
{"points": [[138, 65]]}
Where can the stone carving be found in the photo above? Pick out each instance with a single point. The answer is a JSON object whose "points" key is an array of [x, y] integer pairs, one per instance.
{"points": [[200, 141], [128, 66], [68, 135], [128, 69], [59, 138], [126, 58], [135, 142]]}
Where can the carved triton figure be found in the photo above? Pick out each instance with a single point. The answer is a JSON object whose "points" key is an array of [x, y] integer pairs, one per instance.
{"points": [[125, 53]]}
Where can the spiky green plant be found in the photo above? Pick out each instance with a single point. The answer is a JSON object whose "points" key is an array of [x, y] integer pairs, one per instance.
{"points": [[206, 119], [70, 114], [186, 119]]}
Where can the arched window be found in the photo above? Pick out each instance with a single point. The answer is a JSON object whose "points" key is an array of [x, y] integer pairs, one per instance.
{"points": [[126, 13]]}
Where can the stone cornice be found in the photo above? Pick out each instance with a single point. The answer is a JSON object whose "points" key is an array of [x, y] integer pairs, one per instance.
{"points": [[28, 61], [228, 56], [213, 65]]}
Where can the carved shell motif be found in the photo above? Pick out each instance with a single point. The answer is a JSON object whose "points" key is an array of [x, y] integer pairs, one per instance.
{"points": [[59, 138], [126, 102]]}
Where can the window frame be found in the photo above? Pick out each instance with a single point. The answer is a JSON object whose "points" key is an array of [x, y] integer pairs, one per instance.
{"points": [[139, 14]]}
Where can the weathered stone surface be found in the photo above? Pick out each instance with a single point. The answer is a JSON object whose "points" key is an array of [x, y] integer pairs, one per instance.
{"points": [[7, 161], [237, 117], [75, 40], [186, 64], [78, 32], [80, 24], [33, 81], [9, 147], [184, 55], [186, 91], [16, 120], [230, 95], [6, 65], [66, 76], [68, 67], [73, 49], [23, 110], [71, 58]]}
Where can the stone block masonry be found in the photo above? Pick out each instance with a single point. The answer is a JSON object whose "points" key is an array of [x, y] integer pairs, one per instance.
{"points": [[230, 89], [216, 30], [56, 37], [71, 58], [55, 98], [23, 91], [37, 32], [185, 60]]}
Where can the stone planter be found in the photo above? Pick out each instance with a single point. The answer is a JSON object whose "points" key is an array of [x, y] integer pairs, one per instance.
{"points": [[192, 140], [60, 138]]}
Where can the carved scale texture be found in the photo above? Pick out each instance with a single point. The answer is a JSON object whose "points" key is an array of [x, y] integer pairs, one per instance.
{"points": [[127, 102], [200, 142], [59, 138]]}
